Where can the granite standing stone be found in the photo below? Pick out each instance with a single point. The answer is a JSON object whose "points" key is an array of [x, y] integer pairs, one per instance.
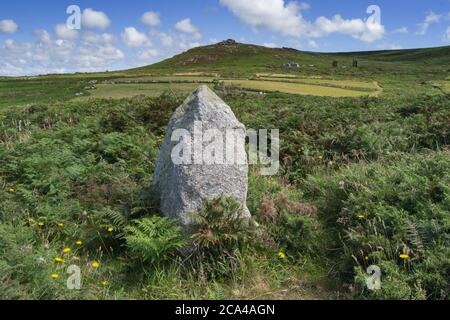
{"points": [[182, 187]]}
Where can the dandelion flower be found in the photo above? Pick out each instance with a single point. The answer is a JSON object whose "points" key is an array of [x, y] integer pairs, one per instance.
{"points": [[104, 283], [281, 255], [405, 256], [78, 242], [360, 216], [110, 230], [61, 225], [59, 260], [95, 265], [67, 250], [366, 258], [40, 224], [55, 276]]}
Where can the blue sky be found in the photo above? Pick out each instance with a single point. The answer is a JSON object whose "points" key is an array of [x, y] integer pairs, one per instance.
{"points": [[35, 39]]}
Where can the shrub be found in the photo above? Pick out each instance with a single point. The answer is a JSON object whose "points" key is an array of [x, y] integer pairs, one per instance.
{"points": [[296, 233], [154, 239], [220, 235], [393, 215]]}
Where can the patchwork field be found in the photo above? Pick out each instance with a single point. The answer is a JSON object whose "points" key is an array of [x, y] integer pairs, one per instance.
{"points": [[297, 88], [152, 86]]}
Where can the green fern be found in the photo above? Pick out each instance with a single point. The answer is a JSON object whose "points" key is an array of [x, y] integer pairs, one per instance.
{"points": [[154, 239], [414, 236], [219, 232]]}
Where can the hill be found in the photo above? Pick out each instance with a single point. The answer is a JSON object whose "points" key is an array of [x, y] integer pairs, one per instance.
{"points": [[230, 58]]}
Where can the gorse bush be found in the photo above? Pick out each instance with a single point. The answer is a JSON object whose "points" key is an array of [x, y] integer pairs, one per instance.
{"points": [[296, 233], [154, 239], [394, 215]]}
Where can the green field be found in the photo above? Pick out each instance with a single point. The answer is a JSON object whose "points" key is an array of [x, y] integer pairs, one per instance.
{"points": [[154, 86], [364, 180], [121, 90], [296, 88]]}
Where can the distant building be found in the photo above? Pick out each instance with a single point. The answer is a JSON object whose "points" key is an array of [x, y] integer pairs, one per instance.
{"points": [[291, 65]]}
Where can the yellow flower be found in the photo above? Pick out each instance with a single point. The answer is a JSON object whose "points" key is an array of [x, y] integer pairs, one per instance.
{"points": [[360, 216], [110, 230], [405, 256], [104, 283], [67, 250], [320, 157], [11, 190], [41, 224], [55, 276], [79, 242], [59, 260], [61, 225], [281, 255], [95, 265], [366, 258]]}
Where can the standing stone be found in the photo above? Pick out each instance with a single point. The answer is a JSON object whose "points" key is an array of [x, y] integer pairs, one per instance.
{"points": [[183, 187]]}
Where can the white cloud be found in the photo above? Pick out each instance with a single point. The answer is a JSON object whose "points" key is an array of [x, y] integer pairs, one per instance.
{"points": [[95, 19], [186, 26], [367, 31], [46, 56], [93, 37], [273, 15], [430, 19], [43, 36], [312, 44], [8, 26], [286, 19], [166, 40], [62, 32], [151, 18], [134, 38], [401, 30], [270, 45], [147, 54]]}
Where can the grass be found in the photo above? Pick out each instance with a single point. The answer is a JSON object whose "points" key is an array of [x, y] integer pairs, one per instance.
{"points": [[25, 92], [296, 88], [174, 78], [444, 85], [120, 90], [88, 165], [349, 84]]}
